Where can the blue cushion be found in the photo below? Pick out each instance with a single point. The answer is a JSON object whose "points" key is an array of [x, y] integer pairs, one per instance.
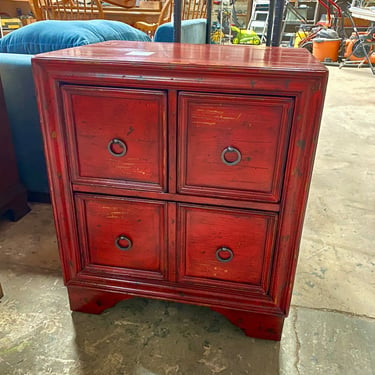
{"points": [[192, 31], [45, 36]]}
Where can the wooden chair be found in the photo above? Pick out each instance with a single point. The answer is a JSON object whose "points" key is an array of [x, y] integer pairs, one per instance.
{"points": [[192, 9], [165, 16], [122, 3], [67, 9]]}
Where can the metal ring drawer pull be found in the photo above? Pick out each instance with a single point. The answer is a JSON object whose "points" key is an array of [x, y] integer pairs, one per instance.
{"points": [[231, 149], [224, 250], [116, 141], [121, 239]]}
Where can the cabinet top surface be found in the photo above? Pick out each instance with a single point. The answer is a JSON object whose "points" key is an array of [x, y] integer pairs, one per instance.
{"points": [[214, 57]]}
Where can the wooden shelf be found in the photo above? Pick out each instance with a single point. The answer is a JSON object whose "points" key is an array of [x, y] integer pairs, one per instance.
{"points": [[10, 7]]}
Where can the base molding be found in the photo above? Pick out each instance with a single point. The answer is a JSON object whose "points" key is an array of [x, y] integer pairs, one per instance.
{"points": [[95, 301], [262, 326]]}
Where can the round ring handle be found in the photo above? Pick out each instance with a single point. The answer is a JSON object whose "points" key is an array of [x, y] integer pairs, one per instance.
{"points": [[123, 238], [229, 254], [230, 149], [119, 142]]}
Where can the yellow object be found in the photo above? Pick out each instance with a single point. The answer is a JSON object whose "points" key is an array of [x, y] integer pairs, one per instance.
{"points": [[300, 35], [244, 36], [217, 36], [10, 23]]}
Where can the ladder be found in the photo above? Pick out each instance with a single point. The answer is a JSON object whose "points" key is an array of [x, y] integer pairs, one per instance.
{"points": [[259, 18], [296, 13]]}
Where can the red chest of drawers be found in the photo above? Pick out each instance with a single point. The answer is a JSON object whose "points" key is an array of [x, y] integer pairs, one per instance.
{"points": [[181, 172]]}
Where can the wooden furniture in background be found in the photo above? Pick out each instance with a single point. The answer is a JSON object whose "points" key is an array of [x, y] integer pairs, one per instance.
{"points": [[147, 17], [165, 16], [118, 10], [1, 292], [177, 174], [13, 196], [126, 3], [10, 7], [67, 9], [193, 9], [147, 11], [14, 14]]}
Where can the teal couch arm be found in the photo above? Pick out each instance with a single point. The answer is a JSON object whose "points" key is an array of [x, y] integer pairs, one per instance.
{"points": [[19, 92], [192, 31]]}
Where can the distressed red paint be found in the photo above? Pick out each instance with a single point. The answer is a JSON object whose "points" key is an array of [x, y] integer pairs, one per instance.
{"points": [[178, 173]]}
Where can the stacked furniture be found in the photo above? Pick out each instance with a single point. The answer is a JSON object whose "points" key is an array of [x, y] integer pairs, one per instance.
{"points": [[67, 10]]}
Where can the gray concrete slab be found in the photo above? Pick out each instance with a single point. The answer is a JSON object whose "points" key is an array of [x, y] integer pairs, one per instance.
{"points": [[41, 336], [318, 342], [336, 264], [331, 327], [31, 241]]}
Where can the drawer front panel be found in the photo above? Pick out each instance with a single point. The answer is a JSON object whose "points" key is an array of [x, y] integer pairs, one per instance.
{"points": [[233, 145], [224, 247], [117, 136], [127, 235]]}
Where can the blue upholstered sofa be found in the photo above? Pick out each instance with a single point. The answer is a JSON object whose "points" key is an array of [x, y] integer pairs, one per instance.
{"points": [[16, 51]]}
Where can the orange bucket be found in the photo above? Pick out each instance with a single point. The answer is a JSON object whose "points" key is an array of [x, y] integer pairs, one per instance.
{"points": [[326, 49]]}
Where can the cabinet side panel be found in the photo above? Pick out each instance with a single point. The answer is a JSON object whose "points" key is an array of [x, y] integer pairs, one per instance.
{"points": [[302, 148], [52, 119]]}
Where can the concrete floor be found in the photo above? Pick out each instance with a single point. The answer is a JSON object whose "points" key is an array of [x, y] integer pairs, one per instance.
{"points": [[331, 327]]}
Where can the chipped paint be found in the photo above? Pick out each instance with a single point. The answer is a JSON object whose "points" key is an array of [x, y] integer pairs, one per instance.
{"points": [[297, 172], [301, 143]]}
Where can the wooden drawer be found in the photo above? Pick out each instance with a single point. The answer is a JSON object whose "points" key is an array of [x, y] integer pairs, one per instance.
{"points": [[225, 247], [124, 236], [116, 137], [233, 146]]}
